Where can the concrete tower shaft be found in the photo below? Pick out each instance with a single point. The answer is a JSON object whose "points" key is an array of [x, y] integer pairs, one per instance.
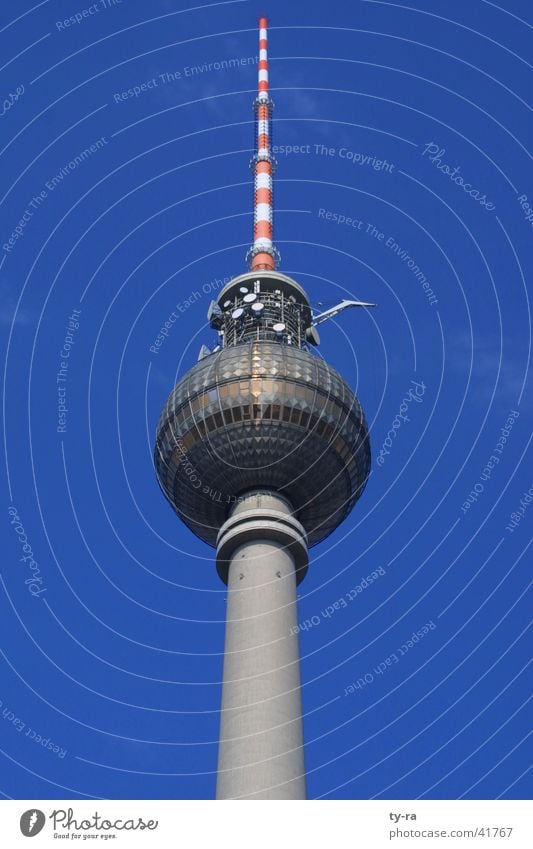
{"points": [[262, 549]]}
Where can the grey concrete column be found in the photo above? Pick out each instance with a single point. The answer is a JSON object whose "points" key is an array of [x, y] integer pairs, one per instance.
{"points": [[262, 553]]}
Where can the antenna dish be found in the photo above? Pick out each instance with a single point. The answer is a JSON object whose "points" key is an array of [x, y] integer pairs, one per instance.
{"points": [[258, 307], [214, 314], [237, 313], [279, 327], [249, 298], [312, 336]]}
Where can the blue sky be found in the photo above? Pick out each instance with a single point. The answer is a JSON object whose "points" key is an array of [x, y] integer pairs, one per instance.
{"points": [[126, 194]]}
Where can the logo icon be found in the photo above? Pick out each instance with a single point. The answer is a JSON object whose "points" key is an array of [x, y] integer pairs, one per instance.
{"points": [[32, 822]]}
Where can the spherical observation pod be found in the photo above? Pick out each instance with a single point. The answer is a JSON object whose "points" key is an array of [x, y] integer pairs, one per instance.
{"points": [[262, 414]]}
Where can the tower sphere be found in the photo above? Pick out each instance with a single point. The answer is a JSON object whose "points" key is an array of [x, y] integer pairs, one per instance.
{"points": [[263, 412]]}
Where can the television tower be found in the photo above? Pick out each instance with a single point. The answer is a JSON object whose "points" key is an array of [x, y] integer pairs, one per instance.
{"points": [[262, 450]]}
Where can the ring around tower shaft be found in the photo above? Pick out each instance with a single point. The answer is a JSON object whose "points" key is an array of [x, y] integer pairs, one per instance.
{"points": [[262, 552]]}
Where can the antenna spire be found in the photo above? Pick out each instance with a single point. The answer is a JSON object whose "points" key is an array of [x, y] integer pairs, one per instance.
{"points": [[263, 255]]}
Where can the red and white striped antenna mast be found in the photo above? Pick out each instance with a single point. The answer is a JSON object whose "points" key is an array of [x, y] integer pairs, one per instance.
{"points": [[263, 256]]}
